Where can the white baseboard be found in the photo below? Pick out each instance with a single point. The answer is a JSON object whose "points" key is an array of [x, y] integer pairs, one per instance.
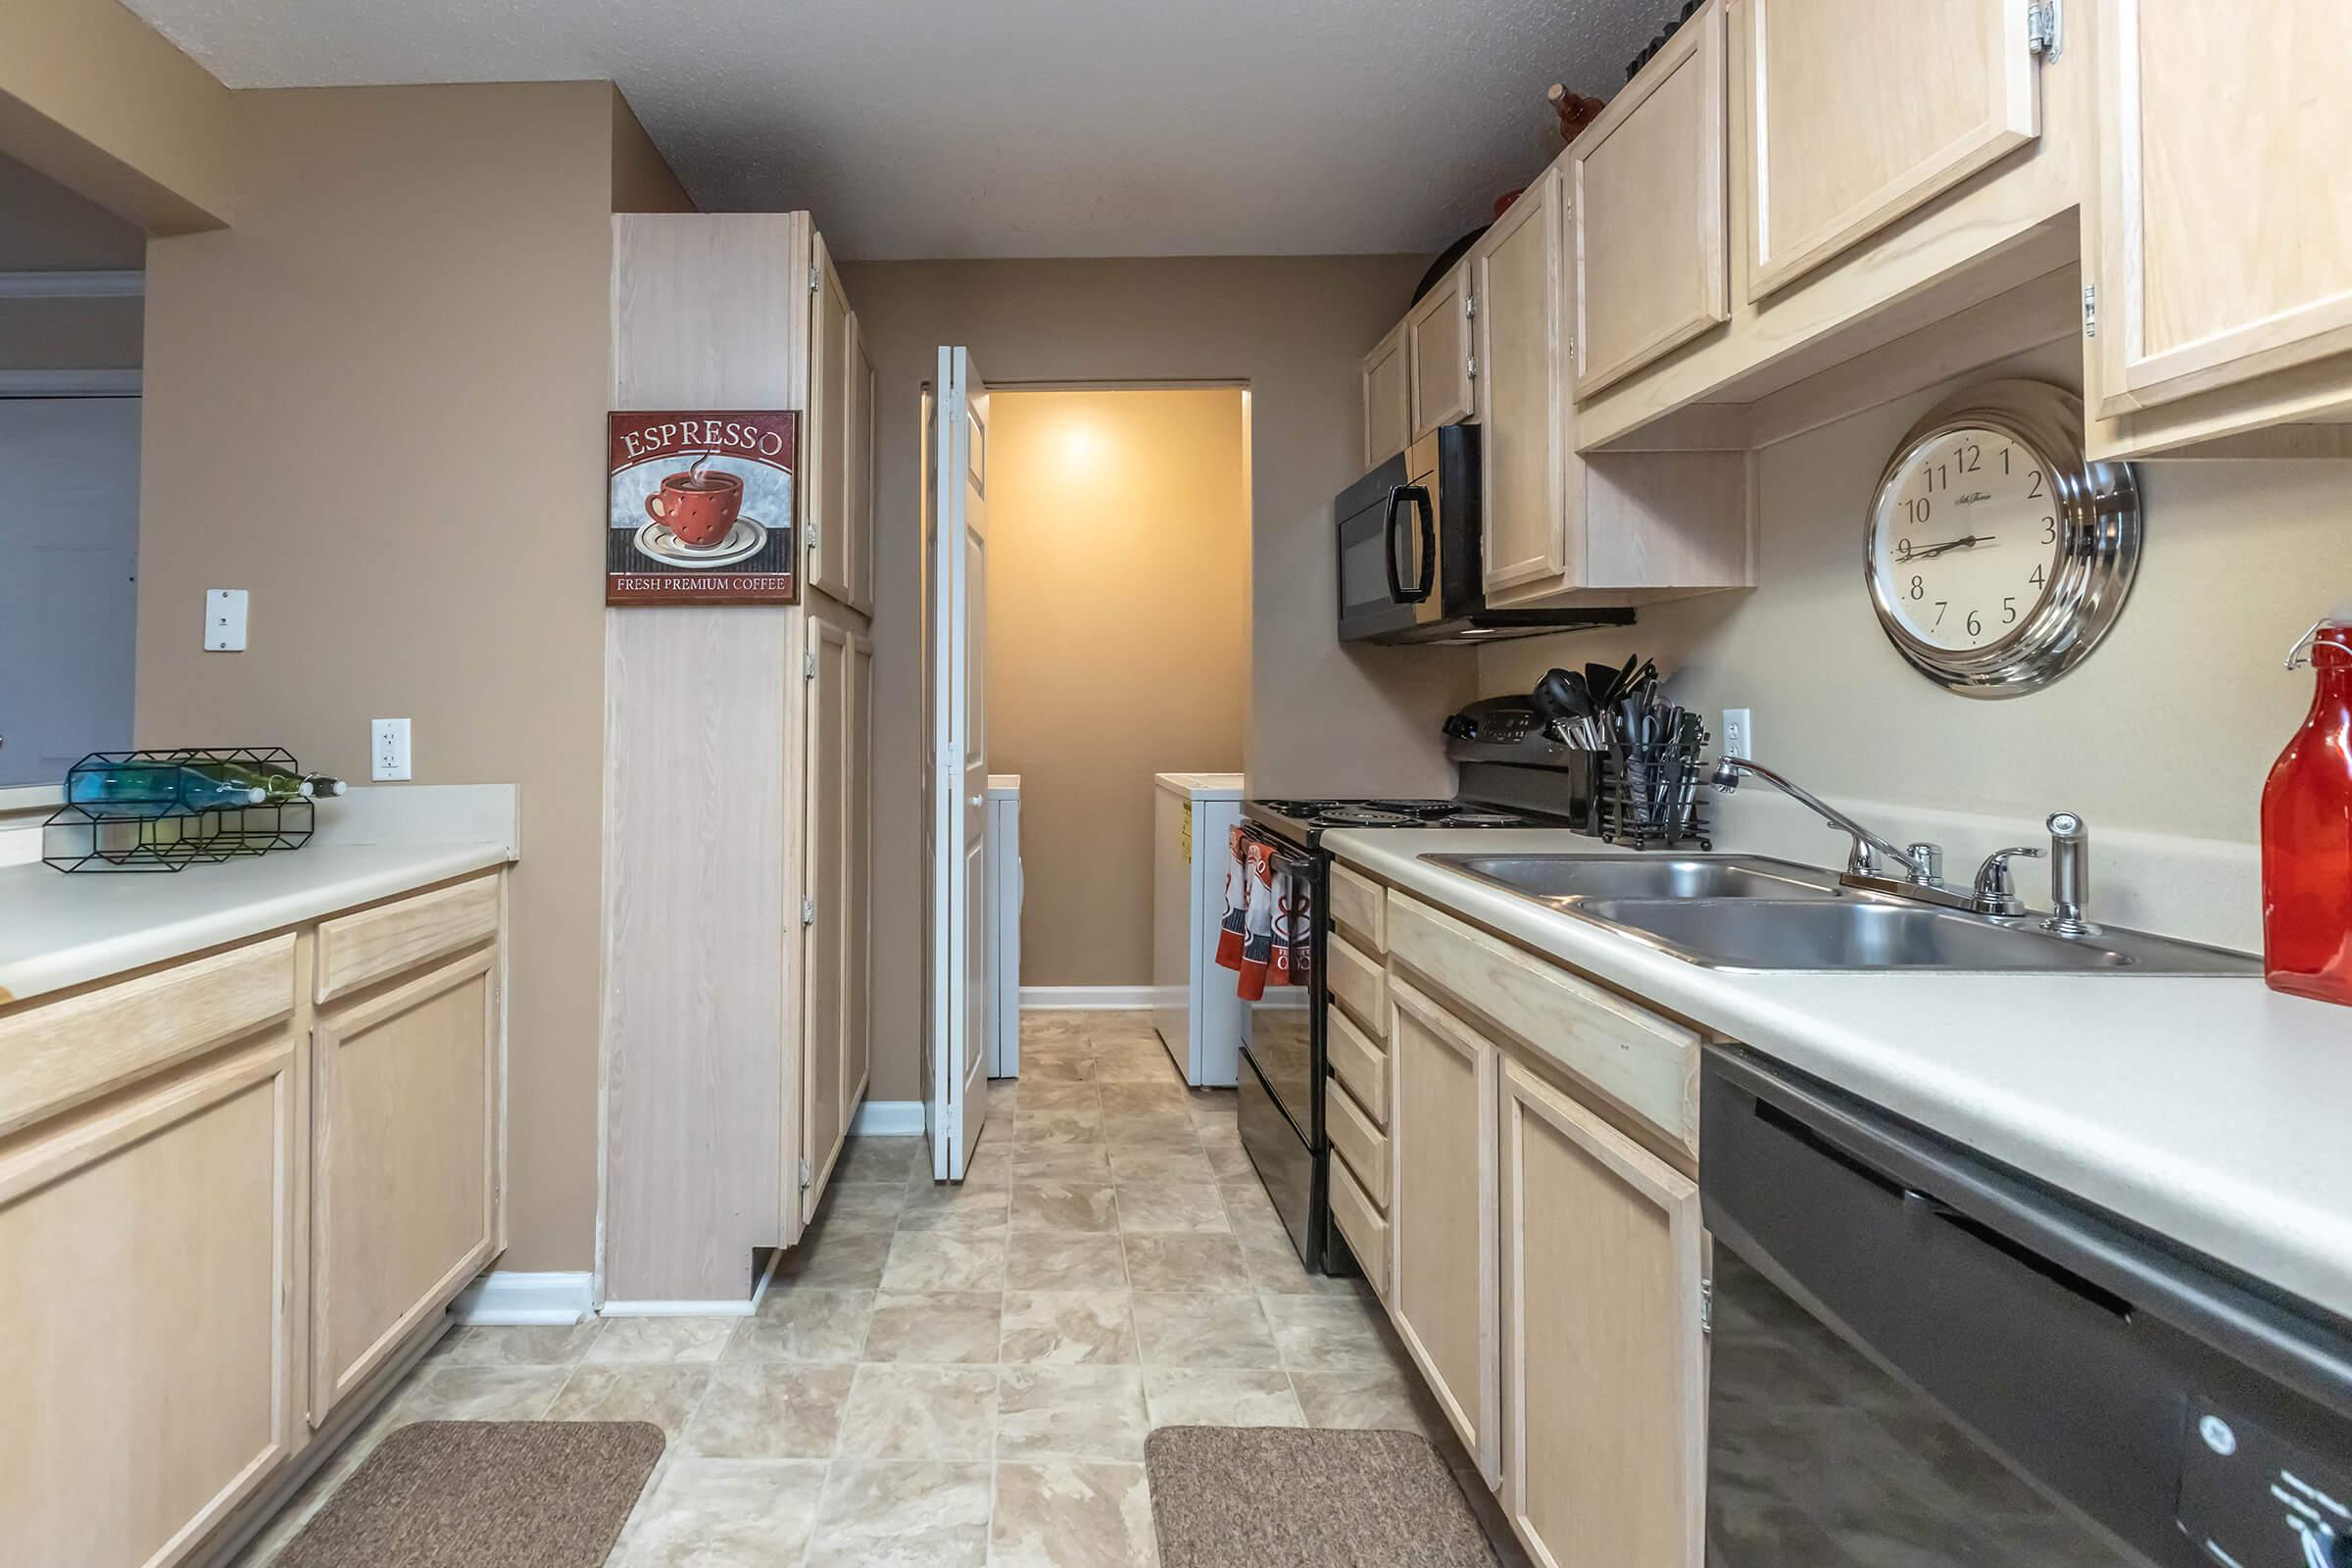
{"points": [[1095, 999], [743, 1308], [888, 1118], [509, 1299]]}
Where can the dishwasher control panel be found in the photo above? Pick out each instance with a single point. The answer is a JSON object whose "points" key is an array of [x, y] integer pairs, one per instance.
{"points": [[2251, 1499]]}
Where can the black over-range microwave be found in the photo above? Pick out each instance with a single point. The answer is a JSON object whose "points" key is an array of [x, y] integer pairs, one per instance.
{"points": [[1409, 538]]}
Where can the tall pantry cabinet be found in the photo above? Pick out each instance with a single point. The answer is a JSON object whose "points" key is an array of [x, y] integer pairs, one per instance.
{"points": [[736, 827]]}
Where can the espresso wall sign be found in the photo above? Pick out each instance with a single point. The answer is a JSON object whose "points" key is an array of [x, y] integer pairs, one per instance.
{"points": [[701, 509]]}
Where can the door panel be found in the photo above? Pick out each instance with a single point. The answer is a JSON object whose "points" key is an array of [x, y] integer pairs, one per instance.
{"points": [[825, 1084], [857, 545], [1437, 337], [1646, 211], [1602, 1266], [1387, 411], [1519, 392], [147, 1281], [957, 545], [2225, 241], [404, 1143], [1861, 112], [858, 897], [824, 510], [1441, 1236]]}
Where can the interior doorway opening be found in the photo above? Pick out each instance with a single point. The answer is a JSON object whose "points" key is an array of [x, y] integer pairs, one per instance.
{"points": [[1111, 646]]}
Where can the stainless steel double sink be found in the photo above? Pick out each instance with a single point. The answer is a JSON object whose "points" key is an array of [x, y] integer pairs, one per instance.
{"points": [[1745, 912]]}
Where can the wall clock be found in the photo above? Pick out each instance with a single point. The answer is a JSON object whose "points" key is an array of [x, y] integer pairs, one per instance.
{"points": [[1998, 555]]}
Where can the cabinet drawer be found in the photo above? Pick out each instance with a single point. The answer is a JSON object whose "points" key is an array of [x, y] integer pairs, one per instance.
{"points": [[1359, 906], [1359, 1064], [1364, 1146], [361, 948], [1358, 984], [1645, 1064], [1367, 1232], [56, 1055]]}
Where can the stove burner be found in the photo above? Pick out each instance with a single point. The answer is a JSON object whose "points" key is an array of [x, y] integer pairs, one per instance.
{"points": [[1405, 814]]}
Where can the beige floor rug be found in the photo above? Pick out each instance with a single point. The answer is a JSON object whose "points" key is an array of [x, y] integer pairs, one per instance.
{"points": [[468, 1493], [1248, 1496]]}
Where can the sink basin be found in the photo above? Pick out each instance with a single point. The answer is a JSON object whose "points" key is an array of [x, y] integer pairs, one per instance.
{"points": [[1563, 879], [1873, 933], [1750, 911]]}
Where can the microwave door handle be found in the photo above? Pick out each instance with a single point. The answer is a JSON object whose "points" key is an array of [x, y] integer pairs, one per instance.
{"points": [[1428, 543], [1388, 542], [1418, 495]]}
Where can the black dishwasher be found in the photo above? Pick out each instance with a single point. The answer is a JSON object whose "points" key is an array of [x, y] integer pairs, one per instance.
{"points": [[1921, 1358]]}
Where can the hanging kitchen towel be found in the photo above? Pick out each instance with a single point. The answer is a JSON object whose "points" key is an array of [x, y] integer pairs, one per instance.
{"points": [[1291, 959], [1233, 930], [1257, 936]]}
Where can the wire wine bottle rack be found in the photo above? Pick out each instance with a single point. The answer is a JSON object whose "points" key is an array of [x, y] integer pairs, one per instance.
{"points": [[158, 811]]}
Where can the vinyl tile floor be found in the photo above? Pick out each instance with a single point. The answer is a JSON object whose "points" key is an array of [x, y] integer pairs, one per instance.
{"points": [[964, 1375]]}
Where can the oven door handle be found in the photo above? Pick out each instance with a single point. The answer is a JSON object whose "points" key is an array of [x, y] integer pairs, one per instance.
{"points": [[1418, 495]]}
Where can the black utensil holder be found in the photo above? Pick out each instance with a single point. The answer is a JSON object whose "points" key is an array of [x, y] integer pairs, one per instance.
{"points": [[163, 830], [1625, 810]]}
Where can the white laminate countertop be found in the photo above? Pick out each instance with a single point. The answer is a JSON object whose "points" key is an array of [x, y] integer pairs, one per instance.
{"points": [[2208, 1109], [1225, 786], [60, 930]]}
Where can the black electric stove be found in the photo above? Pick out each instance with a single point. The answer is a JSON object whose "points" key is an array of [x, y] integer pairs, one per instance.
{"points": [[1513, 776]]}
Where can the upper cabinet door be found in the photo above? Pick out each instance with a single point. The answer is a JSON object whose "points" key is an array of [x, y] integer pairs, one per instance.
{"points": [[825, 436], [1387, 411], [1647, 211], [1516, 269], [1438, 349], [857, 522], [1861, 112], [2225, 238]]}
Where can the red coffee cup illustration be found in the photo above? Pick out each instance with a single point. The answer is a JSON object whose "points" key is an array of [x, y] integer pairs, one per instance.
{"points": [[700, 506]]}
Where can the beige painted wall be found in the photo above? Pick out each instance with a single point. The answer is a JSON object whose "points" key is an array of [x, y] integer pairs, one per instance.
{"points": [[96, 99], [2167, 729], [1295, 330], [1118, 529], [91, 334], [377, 403]]}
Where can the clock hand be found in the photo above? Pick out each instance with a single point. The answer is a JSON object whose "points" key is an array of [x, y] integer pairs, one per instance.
{"points": [[1968, 541]]}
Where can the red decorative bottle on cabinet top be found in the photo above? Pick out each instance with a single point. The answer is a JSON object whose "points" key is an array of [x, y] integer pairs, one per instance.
{"points": [[2307, 833]]}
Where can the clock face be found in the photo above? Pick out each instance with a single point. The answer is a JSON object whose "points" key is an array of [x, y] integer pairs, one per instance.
{"points": [[1967, 538]]}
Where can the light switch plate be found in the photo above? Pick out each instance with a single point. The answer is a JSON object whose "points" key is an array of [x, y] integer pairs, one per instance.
{"points": [[224, 620], [1739, 734], [388, 748]]}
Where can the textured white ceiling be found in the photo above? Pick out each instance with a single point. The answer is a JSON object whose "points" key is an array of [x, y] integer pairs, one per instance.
{"points": [[1017, 127]]}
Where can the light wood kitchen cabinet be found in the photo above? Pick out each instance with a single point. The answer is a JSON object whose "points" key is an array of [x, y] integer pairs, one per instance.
{"points": [[1442, 1238], [1388, 400], [1516, 268], [1860, 113], [1618, 528], [837, 957], [858, 506], [2224, 252], [832, 544], [404, 1163], [1438, 351], [150, 1265], [1603, 1348], [1650, 266]]}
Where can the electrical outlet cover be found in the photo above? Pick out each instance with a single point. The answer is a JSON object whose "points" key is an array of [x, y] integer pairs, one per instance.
{"points": [[388, 748], [1739, 734]]}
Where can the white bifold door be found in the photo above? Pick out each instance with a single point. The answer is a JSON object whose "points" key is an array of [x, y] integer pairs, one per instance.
{"points": [[956, 774]]}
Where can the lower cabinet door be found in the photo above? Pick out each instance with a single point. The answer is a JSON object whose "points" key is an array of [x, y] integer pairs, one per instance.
{"points": [[404, 1164], [1604, 1361], [147, 1344], [1441, 1220]]}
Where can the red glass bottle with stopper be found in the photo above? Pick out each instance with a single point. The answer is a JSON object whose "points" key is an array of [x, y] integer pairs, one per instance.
{"points": [[2307, 833]]}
